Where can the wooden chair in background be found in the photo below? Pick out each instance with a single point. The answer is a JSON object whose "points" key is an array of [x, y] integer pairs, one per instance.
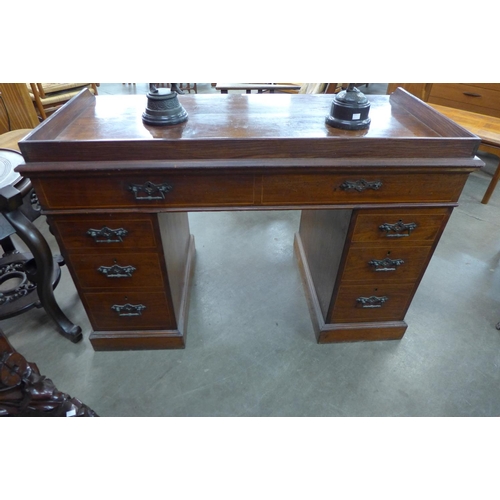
{"points": [[48, 97], [16, 108]]}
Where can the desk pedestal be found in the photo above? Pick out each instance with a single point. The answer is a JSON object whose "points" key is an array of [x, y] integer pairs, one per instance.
{"points": [[361, 268]]}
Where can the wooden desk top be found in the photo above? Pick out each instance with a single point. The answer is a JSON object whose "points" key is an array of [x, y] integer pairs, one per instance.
{"points": [[101, 128]]}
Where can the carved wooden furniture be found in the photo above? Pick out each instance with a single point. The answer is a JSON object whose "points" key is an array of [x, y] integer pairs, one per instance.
{"points": [[27, 280], [374, 203], [24, 392], [475, 106]]}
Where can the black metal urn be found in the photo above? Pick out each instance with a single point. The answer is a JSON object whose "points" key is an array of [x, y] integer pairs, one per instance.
{"points": [[163, 108], [350, 109]]}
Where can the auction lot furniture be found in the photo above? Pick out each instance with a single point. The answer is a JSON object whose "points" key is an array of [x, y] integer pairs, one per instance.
{"points": [[374, 203]]}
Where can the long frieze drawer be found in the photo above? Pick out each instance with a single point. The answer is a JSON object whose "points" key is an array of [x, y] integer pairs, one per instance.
{"points": [[381, 302], [105, 233], [284, 189], [385, 264], [167, 190], [132, 310], [127, 270], [399, 227]]}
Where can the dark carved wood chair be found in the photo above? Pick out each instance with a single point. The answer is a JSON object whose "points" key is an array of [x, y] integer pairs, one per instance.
{"points": [[26, 279], [24, 392]]}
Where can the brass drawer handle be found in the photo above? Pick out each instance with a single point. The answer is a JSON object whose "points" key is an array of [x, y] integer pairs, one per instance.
{"points": [[372, 302], [116, 271], [386, 264], [360, 185], [128, 309], [150, 191], [107, 235], [472, 94], [399, 229]]}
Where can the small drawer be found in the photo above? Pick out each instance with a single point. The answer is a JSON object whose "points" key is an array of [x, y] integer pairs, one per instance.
{"points": [[383, 264], [366, 303], [331, 189], [127, 270], [399, 227], [130, 310], [148, 191], [105, 233]]}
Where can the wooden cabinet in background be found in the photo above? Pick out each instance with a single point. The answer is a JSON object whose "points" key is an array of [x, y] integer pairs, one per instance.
{"points": [[482, 98]]}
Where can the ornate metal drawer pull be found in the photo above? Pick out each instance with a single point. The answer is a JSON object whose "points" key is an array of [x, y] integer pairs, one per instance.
{"points": [[129, 309], [399, 229], [372, 302], [360, 185], [116, 271], [386, 264], [150, 191], [107, 235]]}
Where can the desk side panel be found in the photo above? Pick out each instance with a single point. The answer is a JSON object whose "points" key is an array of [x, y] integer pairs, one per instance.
{"points": [[323, 234]]}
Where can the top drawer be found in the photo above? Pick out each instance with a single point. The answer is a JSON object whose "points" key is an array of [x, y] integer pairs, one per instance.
{"points": [[399, 226], [100, 232], [469, 97], [156, 190]]}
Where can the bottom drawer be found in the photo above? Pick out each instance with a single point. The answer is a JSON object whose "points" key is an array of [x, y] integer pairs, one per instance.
{"points": [[372, 303], [129, 311]]}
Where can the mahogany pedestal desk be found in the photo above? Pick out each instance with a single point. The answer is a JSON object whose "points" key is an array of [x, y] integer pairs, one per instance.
{"points": [[117, 193]]}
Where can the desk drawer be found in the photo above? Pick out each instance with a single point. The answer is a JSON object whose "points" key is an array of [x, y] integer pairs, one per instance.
{"points": [[118, 271], [105, 233], [399, 227], [374, 264], [288, 189], [147, 191], [131, 310], [478, 98], [367, 303]]}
